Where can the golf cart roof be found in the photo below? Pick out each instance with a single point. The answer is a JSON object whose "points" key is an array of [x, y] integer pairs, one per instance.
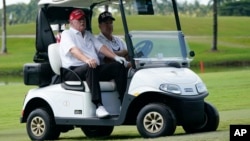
{"points": [[74, 3]]}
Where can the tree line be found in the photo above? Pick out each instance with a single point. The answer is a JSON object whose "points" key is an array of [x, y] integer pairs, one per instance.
{"points": [[21, 13], [26, 13]]}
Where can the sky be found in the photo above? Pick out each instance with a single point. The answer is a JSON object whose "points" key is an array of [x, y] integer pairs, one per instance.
{"points": [[9, 2], [201, 1]]}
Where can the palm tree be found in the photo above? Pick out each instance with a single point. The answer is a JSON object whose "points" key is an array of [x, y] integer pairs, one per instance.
{"points": [[215, 19], [215, 26], [4, 48]]}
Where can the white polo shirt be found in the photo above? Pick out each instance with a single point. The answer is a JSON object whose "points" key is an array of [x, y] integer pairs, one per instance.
{"points": [[116, 44], [87, 43]]}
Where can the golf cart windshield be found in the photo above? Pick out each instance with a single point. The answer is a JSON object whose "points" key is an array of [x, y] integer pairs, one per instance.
{"points": [[159, 48], [158, 40]]}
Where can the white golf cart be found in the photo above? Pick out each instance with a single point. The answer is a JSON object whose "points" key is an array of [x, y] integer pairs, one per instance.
{"points": [[162, 92]]}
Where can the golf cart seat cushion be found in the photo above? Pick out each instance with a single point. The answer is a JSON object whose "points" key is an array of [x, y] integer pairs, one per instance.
{"points": [[54, 57], [56, 64]]}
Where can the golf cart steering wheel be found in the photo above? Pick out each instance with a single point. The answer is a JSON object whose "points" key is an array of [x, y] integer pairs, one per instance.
{"points": [[143, 48]]}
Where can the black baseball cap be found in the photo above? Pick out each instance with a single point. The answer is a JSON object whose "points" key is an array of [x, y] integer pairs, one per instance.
{"points": [[104, 16]]}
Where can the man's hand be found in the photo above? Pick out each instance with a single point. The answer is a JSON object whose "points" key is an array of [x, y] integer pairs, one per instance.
{"points": [[121, 60], [92, 63]]}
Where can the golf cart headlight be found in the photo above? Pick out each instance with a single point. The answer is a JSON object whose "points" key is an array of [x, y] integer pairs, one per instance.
{"points": [[170, 88], [201, 88]]}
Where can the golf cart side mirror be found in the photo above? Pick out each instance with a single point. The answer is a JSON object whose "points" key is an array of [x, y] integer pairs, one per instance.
{"points": [[191, 53]]}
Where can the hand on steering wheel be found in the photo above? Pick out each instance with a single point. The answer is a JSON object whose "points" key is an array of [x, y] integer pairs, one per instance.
{"points": [[143, 48]]}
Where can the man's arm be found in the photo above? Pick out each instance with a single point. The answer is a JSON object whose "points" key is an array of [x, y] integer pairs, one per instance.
{"points": [[80, 56], [106, 51], [123, 53]]}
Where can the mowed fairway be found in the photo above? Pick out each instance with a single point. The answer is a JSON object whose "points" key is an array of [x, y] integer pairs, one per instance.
{"points": [[229, 93]]}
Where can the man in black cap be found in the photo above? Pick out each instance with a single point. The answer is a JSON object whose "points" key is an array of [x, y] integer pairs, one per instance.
{"points": [[114, 43]]}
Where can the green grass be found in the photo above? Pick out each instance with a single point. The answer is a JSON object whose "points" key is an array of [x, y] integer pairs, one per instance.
{"points": [[19, 52], [21, 29], [230, 49], [191, 26], [228, 90], [12, 97]]}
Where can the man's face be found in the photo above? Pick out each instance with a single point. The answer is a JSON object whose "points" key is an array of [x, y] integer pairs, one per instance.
{"points": [[79, 25], [106, 27]]}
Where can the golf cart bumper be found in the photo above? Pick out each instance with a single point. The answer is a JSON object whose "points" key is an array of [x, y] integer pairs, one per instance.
{"points": [[21, 120], [189, 110]]}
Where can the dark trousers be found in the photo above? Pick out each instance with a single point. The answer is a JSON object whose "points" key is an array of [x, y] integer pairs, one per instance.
{"points": [[103, 72]]}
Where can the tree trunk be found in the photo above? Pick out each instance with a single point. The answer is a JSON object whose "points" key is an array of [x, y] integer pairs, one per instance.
{"points": [[106, 7], [4, 48], [215, 25]]}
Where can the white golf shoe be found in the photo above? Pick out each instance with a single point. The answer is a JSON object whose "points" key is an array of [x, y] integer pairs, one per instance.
{"points": [[101, 112]]}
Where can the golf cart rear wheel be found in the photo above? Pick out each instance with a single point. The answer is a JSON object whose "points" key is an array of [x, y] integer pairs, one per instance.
{"points": [[155, 120], [211, 121], [41, 126], [97, 131]]}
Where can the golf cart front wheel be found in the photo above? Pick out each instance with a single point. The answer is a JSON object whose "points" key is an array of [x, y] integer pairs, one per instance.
{"points": [[155, 120], [41, 126], [210, 123]]}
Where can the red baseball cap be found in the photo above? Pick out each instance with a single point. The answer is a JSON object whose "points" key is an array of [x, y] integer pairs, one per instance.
{"points": [[76, 14]]}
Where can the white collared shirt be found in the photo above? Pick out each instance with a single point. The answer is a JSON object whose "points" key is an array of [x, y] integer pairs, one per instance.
{"points": [[87, 43], [116, 44]]}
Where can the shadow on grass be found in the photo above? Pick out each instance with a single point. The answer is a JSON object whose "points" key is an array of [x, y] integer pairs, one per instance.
{"points": [[112, 137], [120, 137]]}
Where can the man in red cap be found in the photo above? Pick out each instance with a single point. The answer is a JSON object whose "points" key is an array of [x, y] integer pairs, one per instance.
{"points": [[79, 51]]}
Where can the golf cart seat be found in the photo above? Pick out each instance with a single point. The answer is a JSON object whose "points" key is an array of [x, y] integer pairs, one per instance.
{"points": [[56, 65]]}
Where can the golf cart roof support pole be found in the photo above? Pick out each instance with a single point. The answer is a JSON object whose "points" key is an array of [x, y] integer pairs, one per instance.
{"points": [[177, 20], [127, 36]]}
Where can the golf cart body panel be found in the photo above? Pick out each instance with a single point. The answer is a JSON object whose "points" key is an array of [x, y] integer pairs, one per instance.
{"points": [[66, 103], [142, 80], [160, 83]]}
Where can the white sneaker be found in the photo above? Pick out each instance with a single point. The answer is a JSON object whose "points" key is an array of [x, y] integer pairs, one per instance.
{"points": [[101, 112]]}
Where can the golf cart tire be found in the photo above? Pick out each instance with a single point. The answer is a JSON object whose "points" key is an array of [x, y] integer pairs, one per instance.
{"points": [[97, 131], [156, 120], [41, 126], [211, 122]]}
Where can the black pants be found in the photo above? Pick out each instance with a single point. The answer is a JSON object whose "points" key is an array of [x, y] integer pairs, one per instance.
{"points": [[103, 72]]}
